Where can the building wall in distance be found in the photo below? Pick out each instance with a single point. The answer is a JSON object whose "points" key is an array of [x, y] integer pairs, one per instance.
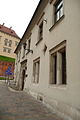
{"points": [[13, 46]]}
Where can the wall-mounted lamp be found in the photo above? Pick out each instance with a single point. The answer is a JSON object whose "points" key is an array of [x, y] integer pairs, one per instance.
{"points": [[29, 50], [24, 45], [45, 20]]}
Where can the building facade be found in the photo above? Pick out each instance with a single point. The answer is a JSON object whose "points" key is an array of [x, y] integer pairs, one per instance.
{"points": [[8, 43], [48, 59]]}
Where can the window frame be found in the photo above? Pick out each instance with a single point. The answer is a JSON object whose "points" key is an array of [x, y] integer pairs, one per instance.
{"points": [[58, 10], [7, 50], [57, 49], [6, 42], [16, 43], [10, 43], [41, 31], [36, 81]]}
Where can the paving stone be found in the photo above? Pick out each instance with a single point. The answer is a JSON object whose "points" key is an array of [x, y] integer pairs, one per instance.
{"points": [[21, 106]]}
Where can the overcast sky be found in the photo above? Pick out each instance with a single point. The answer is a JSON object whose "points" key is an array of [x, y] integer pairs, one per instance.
{"points": [[17, 13]]}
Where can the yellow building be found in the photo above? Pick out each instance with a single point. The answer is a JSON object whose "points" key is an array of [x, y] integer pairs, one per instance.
{"points": [[8, 43]]}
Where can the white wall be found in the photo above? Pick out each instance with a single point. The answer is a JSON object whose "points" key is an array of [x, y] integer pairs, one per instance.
{"points": [[68, 29]]}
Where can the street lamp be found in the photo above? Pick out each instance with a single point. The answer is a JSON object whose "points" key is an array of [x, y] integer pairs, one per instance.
{"points": [[29, 50]]}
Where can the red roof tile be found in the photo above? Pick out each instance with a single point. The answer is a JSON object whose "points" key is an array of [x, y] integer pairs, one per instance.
{"points": [[8, 31]]}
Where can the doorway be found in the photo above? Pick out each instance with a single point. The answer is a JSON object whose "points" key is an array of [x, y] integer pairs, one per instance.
{"points": [[23, 78]]}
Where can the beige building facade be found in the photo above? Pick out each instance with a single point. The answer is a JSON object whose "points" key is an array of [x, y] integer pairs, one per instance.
{"points": [[8, 41], [48, 57]]}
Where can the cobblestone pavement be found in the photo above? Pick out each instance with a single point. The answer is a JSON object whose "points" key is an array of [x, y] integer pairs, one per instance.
{"points": [[21, 106]]}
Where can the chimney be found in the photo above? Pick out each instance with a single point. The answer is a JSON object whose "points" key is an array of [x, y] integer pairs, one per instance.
{"points": [[11, 27], [3, 24]]}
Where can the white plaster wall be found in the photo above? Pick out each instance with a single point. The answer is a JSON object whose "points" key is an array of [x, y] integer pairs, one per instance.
{"points": [[68, 29]]}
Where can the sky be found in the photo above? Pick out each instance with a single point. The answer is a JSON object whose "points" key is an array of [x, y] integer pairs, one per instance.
{"points": [[17, 14]]}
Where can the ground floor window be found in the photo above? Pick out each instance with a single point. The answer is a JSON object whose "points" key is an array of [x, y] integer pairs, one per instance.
{"points": [[58, 64], [36, 70]]}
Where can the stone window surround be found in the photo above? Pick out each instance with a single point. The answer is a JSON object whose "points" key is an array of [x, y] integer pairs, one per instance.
{"points": [[40, 21], [54, 22], [53, 51], [58, 5], [36, 70]]}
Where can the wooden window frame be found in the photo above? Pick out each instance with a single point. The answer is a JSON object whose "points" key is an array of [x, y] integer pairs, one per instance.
{"points": [[60, 48], [36, 81]]}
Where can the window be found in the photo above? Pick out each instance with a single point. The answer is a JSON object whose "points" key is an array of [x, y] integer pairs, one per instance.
{"points": [[41, 31], [58, 64], [16, 43], [36, 70], [29, 42], [8, 50], [4, 49], [23, 49], [10, 43], [58, 10], [6, 42]]}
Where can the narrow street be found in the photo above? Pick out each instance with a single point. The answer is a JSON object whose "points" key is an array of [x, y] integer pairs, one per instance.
{"points": [[20, 106]]}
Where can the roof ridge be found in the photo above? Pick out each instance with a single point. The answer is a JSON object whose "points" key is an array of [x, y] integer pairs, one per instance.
{"points": [[7, 30]]}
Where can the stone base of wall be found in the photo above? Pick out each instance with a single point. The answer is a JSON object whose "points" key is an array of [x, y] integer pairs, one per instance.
{"points": [[62, 110]]}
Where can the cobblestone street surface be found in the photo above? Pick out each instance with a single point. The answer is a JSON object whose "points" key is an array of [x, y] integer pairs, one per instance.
{"points": [[21, 106]]}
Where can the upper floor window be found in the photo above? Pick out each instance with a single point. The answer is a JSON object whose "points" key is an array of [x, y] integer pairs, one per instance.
{"points": [[41, 31], [16, 43], [23, 49], [8, 50], [10, 43], [6, 42], [29, 43], [58, 10], [4, 49]]}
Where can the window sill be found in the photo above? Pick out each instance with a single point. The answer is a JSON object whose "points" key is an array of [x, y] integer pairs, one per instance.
{"points": [[62, 86], [53, 26], [35, 84], [39, 41]]}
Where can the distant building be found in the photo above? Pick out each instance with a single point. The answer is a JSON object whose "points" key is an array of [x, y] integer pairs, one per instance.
{"points": [[8, 43], [48, 57]]}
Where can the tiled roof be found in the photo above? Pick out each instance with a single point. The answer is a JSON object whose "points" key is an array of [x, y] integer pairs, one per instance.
{"points": [[8, 31]]}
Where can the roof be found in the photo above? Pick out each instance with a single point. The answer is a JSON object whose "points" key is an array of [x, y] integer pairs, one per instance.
{"points": [[8, 31], [32, 22]]}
